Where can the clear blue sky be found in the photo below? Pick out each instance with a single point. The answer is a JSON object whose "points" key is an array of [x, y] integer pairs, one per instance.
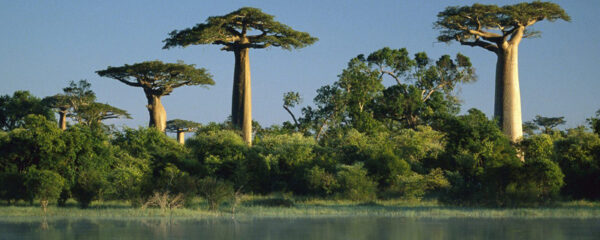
{"points": [[45, 44]]}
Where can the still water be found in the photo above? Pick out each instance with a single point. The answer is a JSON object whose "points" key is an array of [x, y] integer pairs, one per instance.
{"points": [[303, 228]]}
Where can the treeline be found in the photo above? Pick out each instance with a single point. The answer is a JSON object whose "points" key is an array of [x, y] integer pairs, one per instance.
{"points": [[361, 140]]}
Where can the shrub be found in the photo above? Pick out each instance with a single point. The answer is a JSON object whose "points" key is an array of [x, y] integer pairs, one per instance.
{"points": [[286, 157], [214, 191], [539, 181], [127, 183], [44, 184], [415, 186], [219, 153], [578, 155], [355, 184], [321, 182], [88, 186], [480, 160]]}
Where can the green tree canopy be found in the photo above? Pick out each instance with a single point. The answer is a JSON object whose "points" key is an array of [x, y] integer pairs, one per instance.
{"points": [[158, 79], [95, 113], [548, 123], [179, 125], [485, 25], [234, 31], [14, 109]]}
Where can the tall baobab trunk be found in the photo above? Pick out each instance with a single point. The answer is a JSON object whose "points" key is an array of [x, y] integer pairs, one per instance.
{"points": [[507, 105], [158, 115], [62, 121], [181, 136], [241, 107]]}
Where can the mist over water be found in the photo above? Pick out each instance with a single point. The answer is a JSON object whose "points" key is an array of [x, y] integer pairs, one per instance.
{"points": [[302, 228]]}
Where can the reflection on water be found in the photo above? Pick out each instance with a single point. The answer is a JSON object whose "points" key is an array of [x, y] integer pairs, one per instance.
{"points": [[320, 228]]}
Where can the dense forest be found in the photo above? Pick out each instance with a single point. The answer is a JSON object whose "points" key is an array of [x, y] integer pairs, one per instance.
{"points": [[388, 127]]}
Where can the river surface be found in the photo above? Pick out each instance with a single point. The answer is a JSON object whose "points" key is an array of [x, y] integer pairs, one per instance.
{"points": [[301, 228]]}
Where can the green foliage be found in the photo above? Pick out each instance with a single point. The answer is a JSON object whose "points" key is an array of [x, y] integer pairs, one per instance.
{"points": [[473, 24], [321, 182], [230, 30], [179, 125], [291, 99], [214, 191], [217, 153], [415, 186], [578, 155], [431, 90], [38, 143], [538, 181], [78, 103], [548, 123], [128, 178], [355, 184], [419, 147], [14, 109], [158, 78], [89, 185], [94, 113], [44, 184], [148, 143], [595, 123], [480, 159], [286, 158]]}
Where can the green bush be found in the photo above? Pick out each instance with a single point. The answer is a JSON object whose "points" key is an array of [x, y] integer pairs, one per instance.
{"points": [[320, 182], [538, 181], [214, 191], [217, 153], [355, 184], [578, 155], [88, 186], [415, 186], [44, 184], [480, 160], [286, 158]]}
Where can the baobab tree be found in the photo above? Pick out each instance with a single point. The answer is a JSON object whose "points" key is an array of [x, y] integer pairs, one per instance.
{"points": [[235, 31], [69, 103], [181, 127], [499, 30], [158, 79], [62, 106]]}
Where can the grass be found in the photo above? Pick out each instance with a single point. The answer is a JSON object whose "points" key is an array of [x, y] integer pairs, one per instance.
{"points": [[275, 207]]}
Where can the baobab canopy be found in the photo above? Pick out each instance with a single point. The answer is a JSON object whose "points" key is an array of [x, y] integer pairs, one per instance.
{"points": [[161, 78], [232, 29], [158, 79], [475, 25]]}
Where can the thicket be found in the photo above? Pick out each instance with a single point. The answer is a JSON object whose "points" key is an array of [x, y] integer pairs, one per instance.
{"points": [[364, 138]]}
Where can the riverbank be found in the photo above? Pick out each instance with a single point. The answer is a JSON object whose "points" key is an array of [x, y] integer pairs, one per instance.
{"points": [[265, 207]]}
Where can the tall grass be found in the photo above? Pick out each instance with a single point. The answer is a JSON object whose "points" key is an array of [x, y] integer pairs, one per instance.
{"points": [[287, 207]]}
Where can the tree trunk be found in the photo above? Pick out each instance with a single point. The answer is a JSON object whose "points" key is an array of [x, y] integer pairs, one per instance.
{"points": [[241, 107], [62, 121], [158, 115], [507, 107], [181, 136]]}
